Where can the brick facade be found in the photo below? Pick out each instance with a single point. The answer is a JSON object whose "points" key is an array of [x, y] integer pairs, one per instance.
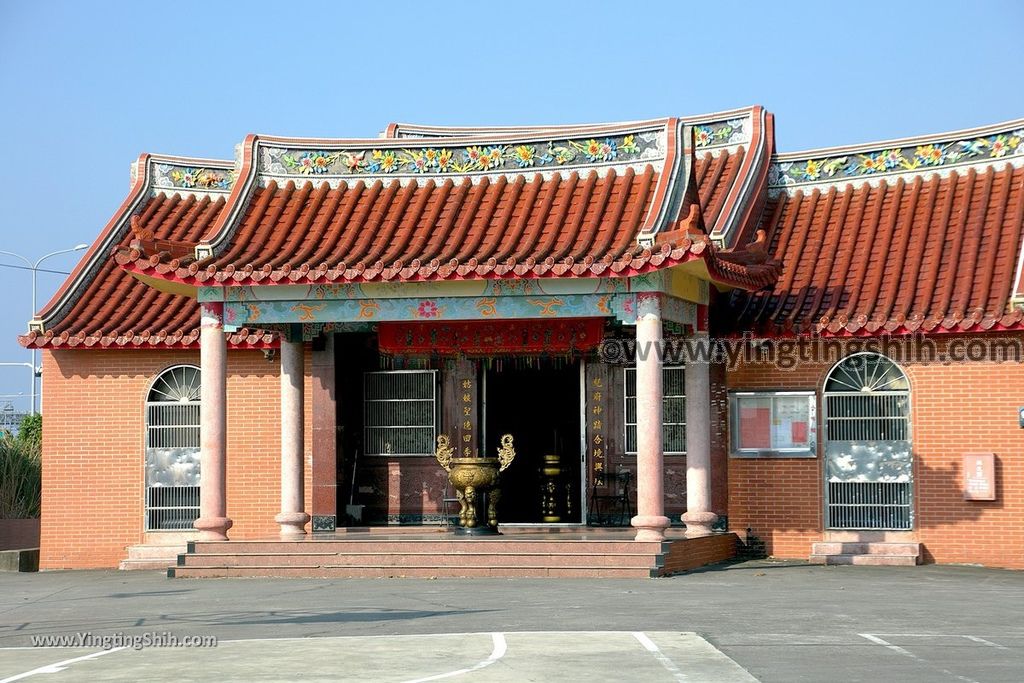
{"points": [[956, 409], [93, 474], [94, 450]]}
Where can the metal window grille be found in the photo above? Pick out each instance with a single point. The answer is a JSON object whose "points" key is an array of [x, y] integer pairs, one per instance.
{"points": [[172, 450], [868, 468], [673, 431], [400, 412]]}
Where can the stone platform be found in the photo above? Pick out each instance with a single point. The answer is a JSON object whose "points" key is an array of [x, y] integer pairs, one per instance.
{"points": [[518, 553]]}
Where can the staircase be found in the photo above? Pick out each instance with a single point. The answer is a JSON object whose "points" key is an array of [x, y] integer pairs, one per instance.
{"points": [[510, 556], [426, 558], [879, 554]]}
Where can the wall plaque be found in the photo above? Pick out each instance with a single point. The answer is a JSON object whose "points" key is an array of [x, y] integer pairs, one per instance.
{"points": [[979, 479]]}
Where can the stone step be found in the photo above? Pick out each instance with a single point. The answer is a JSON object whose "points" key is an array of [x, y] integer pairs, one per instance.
{"points": [[501, 545], [868, 560], [133, 565], [419, 559], [329, 571], [151, 556], [156, 552], [865, 548]]}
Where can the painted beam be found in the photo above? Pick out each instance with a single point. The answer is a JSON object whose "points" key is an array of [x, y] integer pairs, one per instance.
{"points": [[621, 306], [673, 281]]}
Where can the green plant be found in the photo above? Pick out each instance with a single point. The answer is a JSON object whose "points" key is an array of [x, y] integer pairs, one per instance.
{"points": [[31, 429], [21, 470]]}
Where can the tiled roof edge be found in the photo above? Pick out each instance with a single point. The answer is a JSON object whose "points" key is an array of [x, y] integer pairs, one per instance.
{"points": [[744, 196], [143, 174]]}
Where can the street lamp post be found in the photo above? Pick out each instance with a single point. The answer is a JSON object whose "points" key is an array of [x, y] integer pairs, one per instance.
{"points": [[34, 267], [32, 366]]}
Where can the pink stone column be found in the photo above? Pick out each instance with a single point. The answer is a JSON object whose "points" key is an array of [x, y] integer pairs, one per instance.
{"points": [[698, 516], [213, 522], [650, 521], [293, 516]]}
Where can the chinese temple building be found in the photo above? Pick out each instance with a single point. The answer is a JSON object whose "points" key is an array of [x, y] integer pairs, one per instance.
{"points": [[688, 334]]}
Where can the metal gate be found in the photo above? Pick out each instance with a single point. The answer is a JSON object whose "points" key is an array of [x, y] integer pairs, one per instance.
{"points": [[399, 412], [172, 450], [868, 455]]}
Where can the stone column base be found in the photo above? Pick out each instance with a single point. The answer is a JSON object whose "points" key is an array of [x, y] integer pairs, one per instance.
{"points": [[213, 528], [699, 523], [650, 527], [292, 523]]}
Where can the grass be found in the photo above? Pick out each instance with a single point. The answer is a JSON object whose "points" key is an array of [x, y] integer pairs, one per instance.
{"points": [[21, 471]]}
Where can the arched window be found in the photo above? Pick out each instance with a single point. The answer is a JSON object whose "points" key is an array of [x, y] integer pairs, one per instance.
{"points": [[172, 449], [868, 466]]}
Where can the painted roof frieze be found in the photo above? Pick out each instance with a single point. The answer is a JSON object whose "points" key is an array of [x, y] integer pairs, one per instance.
{"points": [[912, 157], [727, 133], [463, 159], [182, 177]]}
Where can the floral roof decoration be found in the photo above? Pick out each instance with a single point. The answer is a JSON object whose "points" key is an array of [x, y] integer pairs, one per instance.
{"points": [[193, 178], [903, 157], [467, 158], [721, 133]]}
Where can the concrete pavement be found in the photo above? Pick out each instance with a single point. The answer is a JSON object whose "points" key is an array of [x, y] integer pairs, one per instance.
{"points": [[778, 621]]}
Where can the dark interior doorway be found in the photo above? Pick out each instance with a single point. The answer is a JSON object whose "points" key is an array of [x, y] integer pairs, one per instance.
{"points": [[540, 408]]}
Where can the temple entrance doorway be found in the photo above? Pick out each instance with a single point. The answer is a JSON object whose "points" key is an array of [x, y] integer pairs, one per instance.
{"points": [[537, 403]]}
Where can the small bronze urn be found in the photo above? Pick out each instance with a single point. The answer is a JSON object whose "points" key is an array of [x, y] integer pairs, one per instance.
{"points": [[472, 477]]}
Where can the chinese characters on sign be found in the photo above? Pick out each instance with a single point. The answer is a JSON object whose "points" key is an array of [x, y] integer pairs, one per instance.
{"points": [[466, 426], [979, 476], [597, 429]]}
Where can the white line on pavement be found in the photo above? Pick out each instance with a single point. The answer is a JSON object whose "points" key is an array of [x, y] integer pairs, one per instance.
{"points": [[500, 648], [907, 653], [669, 665], [979, 639], [59, 666]]}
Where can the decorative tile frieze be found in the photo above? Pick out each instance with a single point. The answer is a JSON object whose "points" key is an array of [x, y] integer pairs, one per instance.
{"points": [[722, 133], [171, 176], [463, 159], [899, 159]]}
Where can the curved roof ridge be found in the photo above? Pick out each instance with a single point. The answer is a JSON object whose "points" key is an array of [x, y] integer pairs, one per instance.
{"points": [[877, 145], [99, 305], [148, 173], [266, 159], [715, 133], [395, 129], [507, 135], [999, 143]]}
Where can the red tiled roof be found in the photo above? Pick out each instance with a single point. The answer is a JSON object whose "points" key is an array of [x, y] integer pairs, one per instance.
{"points": [[565, 222], [110, 307], [576, 226], [586, 221], [730, 176], [920, 252]]}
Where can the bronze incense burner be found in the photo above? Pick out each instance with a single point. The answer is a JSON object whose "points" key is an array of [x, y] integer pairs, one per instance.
{"points": [[472, 477]]}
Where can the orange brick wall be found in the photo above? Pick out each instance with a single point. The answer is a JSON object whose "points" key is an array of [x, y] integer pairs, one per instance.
{"points": [[970, 408], [697, 552], [93, 450], [93, 463], [956, 409], [779, 500]]}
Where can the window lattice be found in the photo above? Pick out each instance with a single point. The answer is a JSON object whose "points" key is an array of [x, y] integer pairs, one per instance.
{"points": [[400, 412], [673, 430], [172, 450]]}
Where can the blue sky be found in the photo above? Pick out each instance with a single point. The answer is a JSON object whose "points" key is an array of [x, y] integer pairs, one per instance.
{"points": [[85, 87]]}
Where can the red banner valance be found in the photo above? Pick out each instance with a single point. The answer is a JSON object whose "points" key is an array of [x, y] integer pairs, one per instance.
{"points": [[487, 338]]}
